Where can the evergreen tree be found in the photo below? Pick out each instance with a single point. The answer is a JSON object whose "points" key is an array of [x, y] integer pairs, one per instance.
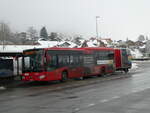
{"points": [[43, 33], [53, 36], [77, 40], [141, 38]]}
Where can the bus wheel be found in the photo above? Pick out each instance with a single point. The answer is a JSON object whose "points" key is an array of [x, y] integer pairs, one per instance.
{"points": [[103, 73], [126, 70], [64, 76]]}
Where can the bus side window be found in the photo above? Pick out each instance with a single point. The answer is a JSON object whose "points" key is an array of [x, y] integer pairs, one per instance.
{"points": [[27, 62], [88, 60], [101, 55], [67, 60], [111, 55], [60, 60], [76, 59], [48, 57], [52, 61], [80, 59], [124, 52], [63, 59], [72, 60], [104, 55]]}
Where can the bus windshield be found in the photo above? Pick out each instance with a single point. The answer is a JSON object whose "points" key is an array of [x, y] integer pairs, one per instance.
{"points": [[32, 61]]}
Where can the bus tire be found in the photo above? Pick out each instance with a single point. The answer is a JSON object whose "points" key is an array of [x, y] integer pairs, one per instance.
{"points": [[126, 70], [103, 72], [64, 76]]}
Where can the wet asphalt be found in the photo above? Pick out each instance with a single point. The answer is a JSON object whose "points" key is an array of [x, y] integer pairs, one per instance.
{"points": [[119, 93]]}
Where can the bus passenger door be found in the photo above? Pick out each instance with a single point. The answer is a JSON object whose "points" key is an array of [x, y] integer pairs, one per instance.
{"points": [[88, 62], [51, 67], [76, 69]]}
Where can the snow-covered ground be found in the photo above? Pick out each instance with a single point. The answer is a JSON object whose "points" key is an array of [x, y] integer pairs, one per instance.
{"points": [[134, 65], [136, 54], [2, 88]]}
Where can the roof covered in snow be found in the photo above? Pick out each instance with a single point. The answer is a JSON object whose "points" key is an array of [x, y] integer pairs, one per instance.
{"points": [[136, 53], [17, 48]]}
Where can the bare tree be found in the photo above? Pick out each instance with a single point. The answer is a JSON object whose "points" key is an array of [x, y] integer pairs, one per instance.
{"points": [[4, 32], [32, 34]]}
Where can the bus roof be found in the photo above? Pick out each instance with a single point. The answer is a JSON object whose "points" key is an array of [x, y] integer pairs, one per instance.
{"points": [[74, 49], [58, 48], [97, 48]]}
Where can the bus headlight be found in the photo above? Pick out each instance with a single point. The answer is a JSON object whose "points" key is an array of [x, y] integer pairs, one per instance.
{"points": [[42, 76]]}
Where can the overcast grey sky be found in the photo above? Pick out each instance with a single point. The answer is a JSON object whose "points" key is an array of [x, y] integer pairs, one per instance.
{"points": [[119, 19]]}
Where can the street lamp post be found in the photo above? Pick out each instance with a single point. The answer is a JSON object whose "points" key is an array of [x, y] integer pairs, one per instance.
{"points": [[97, 26], [3, 34]]}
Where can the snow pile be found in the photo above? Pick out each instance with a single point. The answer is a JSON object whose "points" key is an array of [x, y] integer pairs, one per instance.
{"points": [[48, 43], [134, 66], [66, 44], [136, 54], [105, 42], [142, 47], [45, 43], [92, 43], [2, 88], [17, 48]]}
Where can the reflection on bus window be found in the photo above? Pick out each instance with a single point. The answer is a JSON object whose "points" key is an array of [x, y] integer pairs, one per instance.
{"points": [[27, 62]]}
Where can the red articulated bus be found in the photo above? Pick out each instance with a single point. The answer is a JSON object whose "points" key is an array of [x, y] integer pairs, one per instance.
{"points": [[48, 64]]}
